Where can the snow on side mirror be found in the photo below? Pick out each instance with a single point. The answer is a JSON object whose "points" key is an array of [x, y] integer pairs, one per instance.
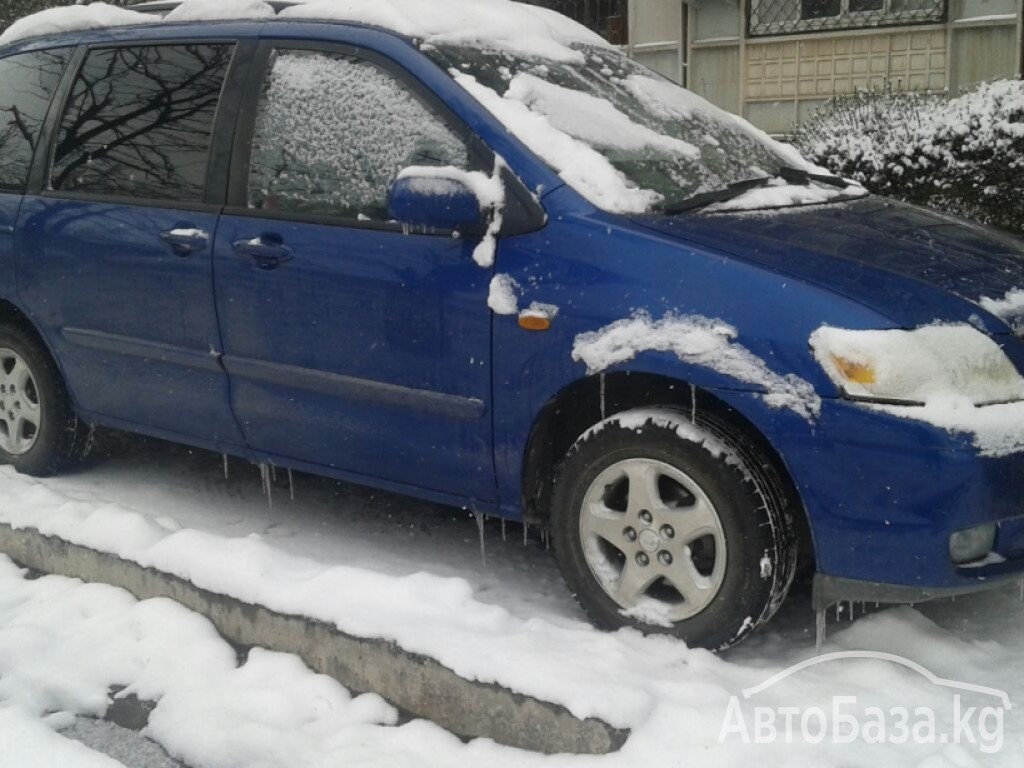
{"points": [[436, 199]]}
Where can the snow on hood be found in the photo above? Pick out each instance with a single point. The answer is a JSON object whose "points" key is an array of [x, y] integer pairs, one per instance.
{"points": [[698, 341]]}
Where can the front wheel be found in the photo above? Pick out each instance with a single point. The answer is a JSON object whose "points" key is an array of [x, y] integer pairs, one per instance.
{"points": [[40, 434], [665, 526]]}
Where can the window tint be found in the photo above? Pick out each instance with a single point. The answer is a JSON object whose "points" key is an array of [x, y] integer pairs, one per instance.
{"points": [[139, 122], [27, 83], [332, 133]]}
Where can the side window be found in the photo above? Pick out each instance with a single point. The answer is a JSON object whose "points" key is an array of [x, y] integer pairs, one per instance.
{"points": [[27, 84], [139, 121], [333, 132]]}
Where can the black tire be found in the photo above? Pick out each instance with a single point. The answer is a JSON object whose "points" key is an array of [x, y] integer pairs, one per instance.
{"points": [[60, 440], [756, 524]]}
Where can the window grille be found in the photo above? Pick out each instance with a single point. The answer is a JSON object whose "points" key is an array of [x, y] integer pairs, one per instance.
{"points": [[606, 17], [787, 17]]}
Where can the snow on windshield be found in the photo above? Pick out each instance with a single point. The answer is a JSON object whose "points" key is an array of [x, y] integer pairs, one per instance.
{"points": [[621, 136]]}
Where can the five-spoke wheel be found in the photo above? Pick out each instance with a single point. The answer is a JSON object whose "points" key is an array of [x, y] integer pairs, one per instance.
{"points": [[39, 431], [20, 410], [653, 539], [667, 526]]}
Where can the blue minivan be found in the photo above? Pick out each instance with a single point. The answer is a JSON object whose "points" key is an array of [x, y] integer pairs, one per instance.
{"points": [[490, 261]]}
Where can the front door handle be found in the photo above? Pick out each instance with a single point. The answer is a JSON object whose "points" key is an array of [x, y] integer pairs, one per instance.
{"points": [[184, 242], [265, 252]]}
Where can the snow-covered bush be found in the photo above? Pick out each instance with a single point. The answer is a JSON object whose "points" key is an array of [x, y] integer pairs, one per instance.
{"points": [[964, 156]]}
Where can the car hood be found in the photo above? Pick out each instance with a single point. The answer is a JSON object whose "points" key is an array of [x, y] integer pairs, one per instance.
{"points": [[913, 265]]}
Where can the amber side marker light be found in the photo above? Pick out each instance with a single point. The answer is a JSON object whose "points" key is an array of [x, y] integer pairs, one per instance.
{"points": [[533, 321]]}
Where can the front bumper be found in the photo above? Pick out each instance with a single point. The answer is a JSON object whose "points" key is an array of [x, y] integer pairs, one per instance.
{"points": [[884, 493]]}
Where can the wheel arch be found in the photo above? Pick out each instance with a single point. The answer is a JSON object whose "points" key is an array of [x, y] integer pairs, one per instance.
{"points": [[587, 401], [10, 312]]}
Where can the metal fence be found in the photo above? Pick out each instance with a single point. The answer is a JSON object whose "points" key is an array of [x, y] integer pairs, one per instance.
{"points": [[606, 17], [786, 17]]}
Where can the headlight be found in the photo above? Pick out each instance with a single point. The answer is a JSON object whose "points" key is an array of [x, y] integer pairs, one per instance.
{"points": [[916, 367]]}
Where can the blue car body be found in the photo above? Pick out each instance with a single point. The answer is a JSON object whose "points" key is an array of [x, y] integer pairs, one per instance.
{"points": [[372, 356]]}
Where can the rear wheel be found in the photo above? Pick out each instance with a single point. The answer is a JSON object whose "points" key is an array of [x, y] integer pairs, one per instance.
{"points": [[40, 434], [663, 525]]}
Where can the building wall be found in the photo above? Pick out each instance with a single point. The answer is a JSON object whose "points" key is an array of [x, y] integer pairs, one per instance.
{"points": [[776, 81]]}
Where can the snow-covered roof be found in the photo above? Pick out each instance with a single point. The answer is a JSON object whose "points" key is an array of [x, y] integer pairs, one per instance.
{"points": [[517, 27]]}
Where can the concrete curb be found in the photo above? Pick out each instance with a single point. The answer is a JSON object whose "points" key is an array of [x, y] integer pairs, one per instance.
{"points": [[415, 684]]}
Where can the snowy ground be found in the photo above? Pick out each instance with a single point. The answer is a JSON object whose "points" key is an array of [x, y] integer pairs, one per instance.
{"points": [[65, 647]]}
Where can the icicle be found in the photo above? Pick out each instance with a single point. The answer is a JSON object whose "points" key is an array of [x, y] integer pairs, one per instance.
{"points": [[291, 485], [693, 404], [547, 539], [267, 488], [90, 440], [1022, 589], [480, 527], [503, 531], [819, 630], [226, 473], [526, 531], [603, 417], [273, 473]]}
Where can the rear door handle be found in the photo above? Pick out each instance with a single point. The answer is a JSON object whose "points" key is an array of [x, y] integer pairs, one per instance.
{"points": [[267, 254], [185, 242]]}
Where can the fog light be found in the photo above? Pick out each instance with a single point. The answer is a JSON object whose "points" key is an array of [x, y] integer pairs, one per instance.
{"points": [[972, 544]]}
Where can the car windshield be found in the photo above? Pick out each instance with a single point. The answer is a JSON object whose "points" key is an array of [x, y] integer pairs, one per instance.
{"points": [[628, 139]]}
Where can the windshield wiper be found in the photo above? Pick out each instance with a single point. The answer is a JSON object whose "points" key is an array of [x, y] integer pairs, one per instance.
{"points": [[790, 175]]}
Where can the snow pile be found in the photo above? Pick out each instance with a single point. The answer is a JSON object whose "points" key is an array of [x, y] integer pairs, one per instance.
{"points": [[516, 27], [699, 341], [951, 376], [63, 644], [28, 741], [218, 10], [73, 19], [503, 298], [964, 156], [434, 616], [1009, 308]]}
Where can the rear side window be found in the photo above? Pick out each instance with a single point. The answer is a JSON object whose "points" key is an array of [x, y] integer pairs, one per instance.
{"points": [[333, 132], [27, 84], [139, 122]]}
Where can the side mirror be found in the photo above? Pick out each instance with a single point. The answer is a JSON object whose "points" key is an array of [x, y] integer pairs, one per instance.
{"points": [[435, 198]]}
